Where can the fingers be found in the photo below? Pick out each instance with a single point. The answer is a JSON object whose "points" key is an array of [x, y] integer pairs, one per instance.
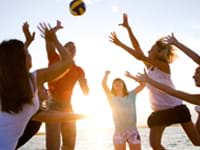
{"points": [[58, 26], [33, 35], [112, 36], [43, 27], [127, 73]]}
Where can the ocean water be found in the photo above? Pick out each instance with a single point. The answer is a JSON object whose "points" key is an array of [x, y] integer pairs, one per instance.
{"points": [[174, 138]]}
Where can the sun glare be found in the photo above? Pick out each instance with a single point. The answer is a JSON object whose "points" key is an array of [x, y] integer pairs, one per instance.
{"points": [[95, 108]]}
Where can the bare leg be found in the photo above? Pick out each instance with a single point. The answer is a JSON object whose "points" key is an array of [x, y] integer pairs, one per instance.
{"points": [[31, 129], [155, 137], [52, 136], [192, 133], [135, 146], [120, 146], [68, 131]]}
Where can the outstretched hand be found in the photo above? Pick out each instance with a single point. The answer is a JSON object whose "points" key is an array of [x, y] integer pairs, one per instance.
{"points": [[47, 32], [58, 26], [114, 39], [29, 37], [136, 78], [125, 21], [127, 74], [142, 77], [42, 27], [170, 39]]}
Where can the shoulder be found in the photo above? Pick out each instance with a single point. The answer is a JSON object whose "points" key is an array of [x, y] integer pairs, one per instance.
{"points": [[78, 68], [132, 92]]}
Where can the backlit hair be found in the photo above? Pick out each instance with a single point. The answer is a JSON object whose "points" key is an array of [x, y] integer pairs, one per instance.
{"points": [[166, 51]]}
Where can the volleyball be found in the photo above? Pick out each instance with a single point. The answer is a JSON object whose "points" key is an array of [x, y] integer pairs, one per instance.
{"points": [[77, 7]]}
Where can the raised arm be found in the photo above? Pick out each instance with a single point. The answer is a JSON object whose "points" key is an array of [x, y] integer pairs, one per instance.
{"points": [[58, 68], [191, 98], [105, 86], [170, 39], [146, 60], [114, 39], [141, 85], [132, 37], [29, 37], [50, 47]]}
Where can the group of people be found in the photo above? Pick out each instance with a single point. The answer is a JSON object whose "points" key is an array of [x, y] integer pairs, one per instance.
{"points": [[22, 92], [166, 102]]}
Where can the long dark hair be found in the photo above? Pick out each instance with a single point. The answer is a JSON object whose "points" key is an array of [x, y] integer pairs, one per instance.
{"points": [[15, 89]]}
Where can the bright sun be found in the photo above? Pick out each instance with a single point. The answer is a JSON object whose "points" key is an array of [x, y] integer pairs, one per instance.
{"points": [[95, 107]]}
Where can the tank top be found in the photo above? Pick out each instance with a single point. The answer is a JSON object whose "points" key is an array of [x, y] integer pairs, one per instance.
{"points": [[159, 100]]}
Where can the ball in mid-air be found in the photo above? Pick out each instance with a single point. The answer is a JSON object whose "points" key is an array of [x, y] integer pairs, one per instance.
{"points": [[77, 7]]}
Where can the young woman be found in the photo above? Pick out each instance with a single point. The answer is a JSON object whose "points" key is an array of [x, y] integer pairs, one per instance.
{"points": [[191, 98], [122, 103], [172, 40], [164, 106], [19, 87], [61, 91]]}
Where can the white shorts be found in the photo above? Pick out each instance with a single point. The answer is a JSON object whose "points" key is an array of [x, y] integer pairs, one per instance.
{"points": [[131, 136]]}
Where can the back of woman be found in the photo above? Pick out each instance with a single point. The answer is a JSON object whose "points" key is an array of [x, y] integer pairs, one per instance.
{"points": [[13, 125], [18, 92]]}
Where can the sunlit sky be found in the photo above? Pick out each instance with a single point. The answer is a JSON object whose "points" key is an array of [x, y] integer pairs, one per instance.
{"points": [[149, 20]]}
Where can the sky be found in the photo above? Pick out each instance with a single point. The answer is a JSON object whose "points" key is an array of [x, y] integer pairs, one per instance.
{"points": [[149, 21]]}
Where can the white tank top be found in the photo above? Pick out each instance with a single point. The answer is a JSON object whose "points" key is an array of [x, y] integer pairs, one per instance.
{"points": [[159, 100], [12, 126]]}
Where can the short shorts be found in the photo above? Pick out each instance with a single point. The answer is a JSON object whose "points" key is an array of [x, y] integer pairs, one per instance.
{"points": [[178, 114], [131, 136]]}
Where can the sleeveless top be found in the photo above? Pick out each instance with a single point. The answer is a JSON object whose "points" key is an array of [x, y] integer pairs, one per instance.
{"points": [[160, 100], [124, 111], [12, 126]]}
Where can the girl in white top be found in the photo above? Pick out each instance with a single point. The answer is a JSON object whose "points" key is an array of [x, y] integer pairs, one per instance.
{"points": [[122, 103], [18, 88], [158, 100], [167, 110]]}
